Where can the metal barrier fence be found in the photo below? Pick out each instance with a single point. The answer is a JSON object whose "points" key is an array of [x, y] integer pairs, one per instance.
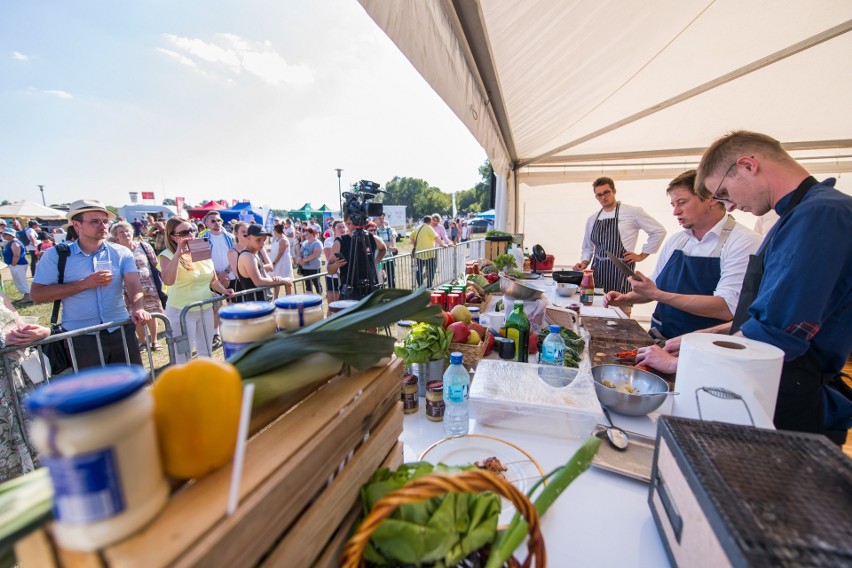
{"points": [[30, 359]]}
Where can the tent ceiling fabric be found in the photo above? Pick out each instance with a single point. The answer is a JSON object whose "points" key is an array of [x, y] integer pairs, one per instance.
{"points": [[532, 77]]}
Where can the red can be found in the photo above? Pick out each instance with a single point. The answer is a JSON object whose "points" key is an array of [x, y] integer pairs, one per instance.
{"points": [[439, 298], [454, 299]]}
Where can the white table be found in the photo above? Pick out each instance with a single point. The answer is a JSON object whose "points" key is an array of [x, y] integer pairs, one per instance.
{"points": [[602, 519]]}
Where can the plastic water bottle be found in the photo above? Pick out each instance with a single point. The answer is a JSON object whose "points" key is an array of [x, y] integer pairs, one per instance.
{"points": [[552, 352], [456, 392]]}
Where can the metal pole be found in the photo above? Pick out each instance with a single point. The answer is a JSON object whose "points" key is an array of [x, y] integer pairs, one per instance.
{"points": [[41, 189], [339, 191]]}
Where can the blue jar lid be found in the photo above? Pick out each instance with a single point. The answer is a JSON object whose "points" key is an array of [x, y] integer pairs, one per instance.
{"points": [[297, 301], [246, 310], [456, 358], [89, 389]]}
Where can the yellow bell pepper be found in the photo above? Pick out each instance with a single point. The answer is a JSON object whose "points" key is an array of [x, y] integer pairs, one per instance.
{"points": [[197, 414]]}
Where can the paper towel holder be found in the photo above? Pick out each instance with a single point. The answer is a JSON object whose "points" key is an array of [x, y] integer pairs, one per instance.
{"points": [[723, 393]]}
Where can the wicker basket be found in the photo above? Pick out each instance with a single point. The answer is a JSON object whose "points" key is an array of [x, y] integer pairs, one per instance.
{"points": [[434, 485], [473, 354]]}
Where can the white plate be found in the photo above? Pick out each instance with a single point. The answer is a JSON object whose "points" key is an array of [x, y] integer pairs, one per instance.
{"points": [[523, 471]]}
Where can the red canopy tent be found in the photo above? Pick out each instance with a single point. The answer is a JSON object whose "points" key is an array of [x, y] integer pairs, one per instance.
{"points": [[200, 211]]}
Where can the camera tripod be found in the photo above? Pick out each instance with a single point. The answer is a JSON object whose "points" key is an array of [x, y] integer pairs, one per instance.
{"points": [[361, 277]]}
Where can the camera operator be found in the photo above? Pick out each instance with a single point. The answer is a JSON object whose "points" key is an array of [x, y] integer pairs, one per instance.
{"points": [[358, 278]]}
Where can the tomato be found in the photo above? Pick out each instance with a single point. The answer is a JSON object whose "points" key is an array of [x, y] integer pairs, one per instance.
{"points": [[533, 343]]}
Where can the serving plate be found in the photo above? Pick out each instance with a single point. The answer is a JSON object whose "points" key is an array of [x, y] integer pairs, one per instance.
{"points": [[523, 471], [635, 462]]}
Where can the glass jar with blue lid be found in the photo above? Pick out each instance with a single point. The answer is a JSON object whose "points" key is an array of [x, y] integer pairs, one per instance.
{"points": [[298, 310], [95, 433], [242, 324]]}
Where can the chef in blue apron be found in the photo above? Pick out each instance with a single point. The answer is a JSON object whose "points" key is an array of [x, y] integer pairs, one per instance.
{"points": [[700, 272], [615, 229]]}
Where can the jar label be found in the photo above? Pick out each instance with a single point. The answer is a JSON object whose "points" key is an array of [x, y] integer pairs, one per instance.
{"points": [[410, 402], [87, 487], [231, 347], [434, 409]]}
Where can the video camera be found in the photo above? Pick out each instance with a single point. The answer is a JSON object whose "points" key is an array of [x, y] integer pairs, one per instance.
{"points": [[357, 202]]}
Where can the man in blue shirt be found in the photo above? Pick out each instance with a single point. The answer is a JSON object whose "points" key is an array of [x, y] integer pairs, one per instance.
{"points": [[797, 294], [90, 295]]}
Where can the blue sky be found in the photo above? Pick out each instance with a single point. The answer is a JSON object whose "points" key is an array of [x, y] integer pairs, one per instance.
{"points": [[220, 99]]}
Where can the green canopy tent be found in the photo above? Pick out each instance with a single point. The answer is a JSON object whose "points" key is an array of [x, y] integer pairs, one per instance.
{"points": [[303, 213]]}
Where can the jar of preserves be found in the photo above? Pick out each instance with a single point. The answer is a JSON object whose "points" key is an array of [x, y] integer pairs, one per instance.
{"points": [[298, 310], [242, 324], [439, 298], [96, 435], [340, 305], [410, 398], [587, 287], [435, 401]]}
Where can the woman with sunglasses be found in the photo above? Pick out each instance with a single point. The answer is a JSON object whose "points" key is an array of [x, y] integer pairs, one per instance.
{"points": [[189, 282]]}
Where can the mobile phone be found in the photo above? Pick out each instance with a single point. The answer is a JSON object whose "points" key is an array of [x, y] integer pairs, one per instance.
{"points": [[199, 249], [339, 256]]}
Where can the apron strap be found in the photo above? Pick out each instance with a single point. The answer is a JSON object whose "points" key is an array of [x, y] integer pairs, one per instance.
{"points": [[723, 236]]}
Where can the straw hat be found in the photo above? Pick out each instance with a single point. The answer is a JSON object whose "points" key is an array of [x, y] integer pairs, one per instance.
{"points": [[84, 205]]}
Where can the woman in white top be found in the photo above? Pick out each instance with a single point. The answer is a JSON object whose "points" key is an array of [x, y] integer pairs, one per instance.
{"points": [[282, 265]]}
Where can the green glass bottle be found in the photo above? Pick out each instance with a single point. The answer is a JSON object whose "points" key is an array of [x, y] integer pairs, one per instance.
{"points": [[518, 330]]}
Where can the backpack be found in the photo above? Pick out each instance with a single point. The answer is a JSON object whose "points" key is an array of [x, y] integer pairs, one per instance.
{"points": [[22, 236]]}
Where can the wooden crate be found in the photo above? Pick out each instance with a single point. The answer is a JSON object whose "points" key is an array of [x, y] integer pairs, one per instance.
{"points": [[493, 249], [299, 489]]}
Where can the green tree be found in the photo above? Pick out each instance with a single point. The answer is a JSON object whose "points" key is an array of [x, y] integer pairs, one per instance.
{"points": [[418, 197], [477, 198]]}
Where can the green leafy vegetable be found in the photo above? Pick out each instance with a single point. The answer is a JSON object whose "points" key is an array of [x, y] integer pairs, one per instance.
{"points": [[496, 233], [425, 342], [505, 260], [441, 531], [557, 481]]}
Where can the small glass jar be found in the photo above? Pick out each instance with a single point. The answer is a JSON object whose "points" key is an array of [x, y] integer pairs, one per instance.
{"points": [[242, 324], [298, 310], [435, 401], [410, 398], [340, 305], [474, 314], [95, 433]]}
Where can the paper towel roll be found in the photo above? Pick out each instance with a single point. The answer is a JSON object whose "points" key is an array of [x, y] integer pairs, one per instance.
{"points": [[751, 369]]}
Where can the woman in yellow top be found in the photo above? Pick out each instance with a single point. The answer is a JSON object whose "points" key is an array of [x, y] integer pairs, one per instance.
{"points": [[189, 282]]}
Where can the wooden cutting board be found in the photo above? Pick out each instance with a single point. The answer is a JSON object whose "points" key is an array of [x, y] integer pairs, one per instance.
{"points": [[623, 331]]}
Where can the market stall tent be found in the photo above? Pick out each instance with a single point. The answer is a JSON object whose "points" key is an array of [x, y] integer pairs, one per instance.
{"points": [[31, 210], [559, 92], [242, 212]]}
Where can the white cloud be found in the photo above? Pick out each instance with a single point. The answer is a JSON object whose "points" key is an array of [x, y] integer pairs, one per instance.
{"points": [[59, 93], [238, 55], [20, 56]]}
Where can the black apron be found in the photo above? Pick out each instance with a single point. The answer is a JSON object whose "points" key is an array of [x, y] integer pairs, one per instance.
{"points": [[800, 392], [684, 274], [606, 238]]}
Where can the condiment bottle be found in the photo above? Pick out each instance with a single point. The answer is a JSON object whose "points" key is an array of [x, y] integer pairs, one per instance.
{"points": [[96, 435], [518, 330], [297, 310], [435, 401], [410, 398], [244, 323], [587, 287]]}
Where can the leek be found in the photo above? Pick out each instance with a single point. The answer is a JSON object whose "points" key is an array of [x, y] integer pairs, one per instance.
{"points": [[25, 504]]}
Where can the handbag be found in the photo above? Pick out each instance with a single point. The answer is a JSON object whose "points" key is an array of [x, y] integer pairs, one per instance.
{"points": [[57, 353], [158, 281]]}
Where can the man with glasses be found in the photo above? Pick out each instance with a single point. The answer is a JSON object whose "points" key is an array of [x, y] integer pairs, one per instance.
{"points": [[797, 293], [700, 271], [91, 293], [220, 243], [615, 229]]}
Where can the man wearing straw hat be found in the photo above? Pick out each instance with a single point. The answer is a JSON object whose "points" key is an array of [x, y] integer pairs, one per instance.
{"points": [[90, 295]]}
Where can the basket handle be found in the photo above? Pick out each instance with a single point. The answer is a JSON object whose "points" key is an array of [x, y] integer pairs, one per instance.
{"points": [[434, 485]]}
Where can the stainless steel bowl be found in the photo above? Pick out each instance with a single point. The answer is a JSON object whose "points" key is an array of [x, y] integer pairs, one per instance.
{"points": [[514, 288], [624, 403], [566, 290]]}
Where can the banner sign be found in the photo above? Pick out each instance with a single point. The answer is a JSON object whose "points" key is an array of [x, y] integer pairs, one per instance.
{"points": [[148, 195], [134, 197], [179, 206]]}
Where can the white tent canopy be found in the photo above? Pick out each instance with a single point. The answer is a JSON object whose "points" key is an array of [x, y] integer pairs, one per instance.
{"points": [[559, 91], [30, 210]]}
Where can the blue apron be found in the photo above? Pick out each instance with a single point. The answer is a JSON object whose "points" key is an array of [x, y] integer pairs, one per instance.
{"points": [[684, 274]]}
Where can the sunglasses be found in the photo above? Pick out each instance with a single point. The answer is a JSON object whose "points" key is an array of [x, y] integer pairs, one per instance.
{"points": [[185, 233], [214, 220]]}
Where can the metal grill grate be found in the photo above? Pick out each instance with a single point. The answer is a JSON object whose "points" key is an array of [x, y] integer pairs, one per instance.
{"points": [[785, 497]]}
